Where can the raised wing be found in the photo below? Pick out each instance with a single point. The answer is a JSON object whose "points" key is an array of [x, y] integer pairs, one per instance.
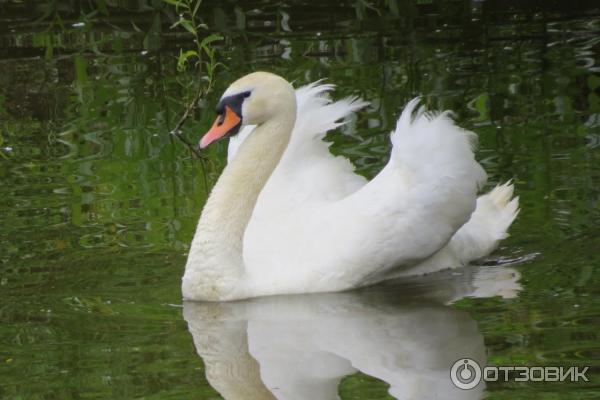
{"points": [[318, 226]]}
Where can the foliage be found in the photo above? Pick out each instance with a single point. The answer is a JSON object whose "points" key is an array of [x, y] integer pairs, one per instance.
{"points": [[190, 21]]}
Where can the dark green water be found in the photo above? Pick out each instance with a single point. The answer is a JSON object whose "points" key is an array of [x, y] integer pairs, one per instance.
{"points": [[98, 205]]}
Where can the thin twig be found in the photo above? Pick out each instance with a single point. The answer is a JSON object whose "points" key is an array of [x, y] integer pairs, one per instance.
{"points": [[177, 130], [200, 49]]}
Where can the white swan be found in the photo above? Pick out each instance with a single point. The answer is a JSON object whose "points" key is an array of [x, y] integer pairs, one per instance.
{"points": [[288, 217]]}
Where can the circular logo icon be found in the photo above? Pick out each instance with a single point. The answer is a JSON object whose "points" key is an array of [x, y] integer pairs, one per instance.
{"points": [[465, 373]]}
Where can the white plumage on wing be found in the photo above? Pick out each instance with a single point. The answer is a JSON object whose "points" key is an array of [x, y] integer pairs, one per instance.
{"points": [[286, 216]]}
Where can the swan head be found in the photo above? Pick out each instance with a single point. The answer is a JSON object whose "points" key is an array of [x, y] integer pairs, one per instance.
{"points": [[251, 100]]}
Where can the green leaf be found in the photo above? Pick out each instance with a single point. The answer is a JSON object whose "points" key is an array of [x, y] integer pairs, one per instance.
{"points": [[188, 26], [183, 58], [209, 39], [196, 8]]}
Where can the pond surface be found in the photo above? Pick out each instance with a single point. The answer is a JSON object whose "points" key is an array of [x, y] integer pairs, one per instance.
{"points": [[99, 204]]}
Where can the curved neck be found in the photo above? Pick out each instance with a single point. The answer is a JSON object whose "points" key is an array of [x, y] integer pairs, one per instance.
{"points": [[215, 267]]}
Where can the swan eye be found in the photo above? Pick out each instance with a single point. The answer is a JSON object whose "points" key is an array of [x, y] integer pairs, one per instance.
{"points": [[246, 94]]}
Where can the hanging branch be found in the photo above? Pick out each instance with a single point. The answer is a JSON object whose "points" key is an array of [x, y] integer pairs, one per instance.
{"points": [[177, 130], [188, 20]]}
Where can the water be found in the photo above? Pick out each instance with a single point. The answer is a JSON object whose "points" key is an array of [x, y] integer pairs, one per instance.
{"points": [[98, 204]]}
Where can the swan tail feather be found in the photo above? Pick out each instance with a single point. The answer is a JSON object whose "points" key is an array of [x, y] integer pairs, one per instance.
{"points": [[426, 143], [488, 225], [436, 164]]}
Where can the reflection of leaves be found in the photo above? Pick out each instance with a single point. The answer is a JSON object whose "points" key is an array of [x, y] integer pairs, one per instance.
{"points": [[101, 4], [481, 104], [587, 271], [91, 305], [81, 75], [153, 40]]}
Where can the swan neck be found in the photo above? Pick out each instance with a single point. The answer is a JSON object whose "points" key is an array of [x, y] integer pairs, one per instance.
{"points": [[215, 268]]}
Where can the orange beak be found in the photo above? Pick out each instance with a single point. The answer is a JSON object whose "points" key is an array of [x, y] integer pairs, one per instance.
{"points": [[225, 124]]}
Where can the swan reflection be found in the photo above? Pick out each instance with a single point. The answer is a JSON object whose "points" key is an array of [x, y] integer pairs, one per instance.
{"points": [[300, 347]]}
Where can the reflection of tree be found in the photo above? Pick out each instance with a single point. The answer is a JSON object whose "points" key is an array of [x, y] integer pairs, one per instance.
{"points": [[112, 156]]}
